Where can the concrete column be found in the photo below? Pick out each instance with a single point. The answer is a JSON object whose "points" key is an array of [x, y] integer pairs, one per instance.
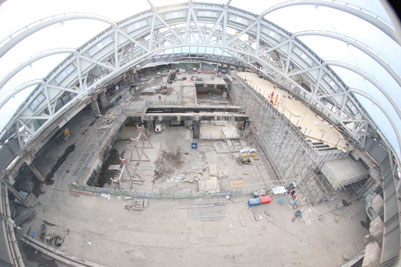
{"points": [[131, 77], [103, 100], [134, 76], [29, 161], [14, 192], [36, 172], [196, 129], [147, 124], [399, 188], [245, 129], [95, 106]]}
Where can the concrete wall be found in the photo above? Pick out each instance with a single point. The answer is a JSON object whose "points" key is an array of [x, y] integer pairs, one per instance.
{"points": [[391, 236], [8, 152]]}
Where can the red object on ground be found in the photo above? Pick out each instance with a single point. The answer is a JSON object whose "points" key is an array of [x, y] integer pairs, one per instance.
{"points": [[265, 199]]}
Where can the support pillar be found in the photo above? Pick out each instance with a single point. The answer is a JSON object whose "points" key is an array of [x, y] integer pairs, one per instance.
{"points": [[14, 192], [133, 77], [103, 99], [95, 107], [29, 161], [196, 129], [245, 129], [36, 172], [147, 124]]}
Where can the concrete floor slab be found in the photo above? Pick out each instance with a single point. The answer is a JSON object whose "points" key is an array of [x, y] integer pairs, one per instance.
{"points": [[314, 126]]}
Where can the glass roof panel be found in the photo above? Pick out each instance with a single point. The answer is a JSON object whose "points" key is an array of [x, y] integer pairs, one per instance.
{"points": [[72, 34]]}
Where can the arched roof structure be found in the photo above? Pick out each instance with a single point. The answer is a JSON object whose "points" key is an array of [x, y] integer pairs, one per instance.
{"points": [[213, 29], [208, 26]]}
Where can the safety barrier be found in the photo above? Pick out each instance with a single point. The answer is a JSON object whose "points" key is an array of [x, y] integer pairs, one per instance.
{"points": [[155, 195]]}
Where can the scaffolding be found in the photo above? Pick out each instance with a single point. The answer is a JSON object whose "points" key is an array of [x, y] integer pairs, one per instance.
{"points": [[293, 157], [140, 143]]}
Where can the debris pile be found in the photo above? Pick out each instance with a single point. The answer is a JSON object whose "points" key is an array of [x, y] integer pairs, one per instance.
{"points": [[166, 163], [108, 118], [136, 204], [51, 236]]}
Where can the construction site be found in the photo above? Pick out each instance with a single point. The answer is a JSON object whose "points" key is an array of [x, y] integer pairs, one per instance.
{"points": [[195, 162], [166, 173]]}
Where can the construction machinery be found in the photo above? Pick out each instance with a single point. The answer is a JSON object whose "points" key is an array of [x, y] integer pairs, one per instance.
{"points": [[171, 76], [244, 159], [63, 135], [246, 154], [163, 89]]}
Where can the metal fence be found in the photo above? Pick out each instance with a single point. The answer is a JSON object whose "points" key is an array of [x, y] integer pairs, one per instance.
{"points": [[155, 195]]}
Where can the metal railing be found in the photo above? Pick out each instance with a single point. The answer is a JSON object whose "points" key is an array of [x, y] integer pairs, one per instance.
{"points": [[155, 195], [10, 239], [245, 189]]}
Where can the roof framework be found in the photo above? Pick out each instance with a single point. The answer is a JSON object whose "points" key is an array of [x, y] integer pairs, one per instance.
{"points": [[199, 28], [180, 28]]}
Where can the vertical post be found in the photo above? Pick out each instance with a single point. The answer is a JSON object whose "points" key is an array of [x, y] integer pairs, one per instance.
{"points": [[14, 192], [287, 64], [257, 38], [79, 73], [103, 99], [152, 27], [225, 25], [95, 106], [116, 63], [32, 167], [187, 34], [196, 129], [36, 172]]}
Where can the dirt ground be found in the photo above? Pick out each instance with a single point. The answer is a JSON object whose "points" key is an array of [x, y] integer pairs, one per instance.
{"points": [[192, 232], [188, 232], [164, 234]]}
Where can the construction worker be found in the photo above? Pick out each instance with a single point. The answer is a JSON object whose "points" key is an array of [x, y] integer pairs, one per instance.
{"points": [[292, 193], [271, 97], [275, 101], [294, 203]]}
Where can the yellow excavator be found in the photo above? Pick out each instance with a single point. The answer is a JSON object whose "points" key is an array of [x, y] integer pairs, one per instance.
{"points": [[246, 154]]}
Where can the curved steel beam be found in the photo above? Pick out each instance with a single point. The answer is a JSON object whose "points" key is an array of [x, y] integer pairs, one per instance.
{"points": [[374, 101], [353, 10], [32, 60], [370, 79], [355, 43], [38, 25], [120, 69], [19, 89]]}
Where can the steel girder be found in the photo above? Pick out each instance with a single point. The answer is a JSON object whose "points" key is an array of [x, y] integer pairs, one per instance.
{"points": [[30, 29], [32, 60], [344, 7], [250, 38]]}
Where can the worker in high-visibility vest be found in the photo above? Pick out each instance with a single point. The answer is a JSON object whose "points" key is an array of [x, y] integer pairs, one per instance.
{"points": [[271, 97], [276, 100]]}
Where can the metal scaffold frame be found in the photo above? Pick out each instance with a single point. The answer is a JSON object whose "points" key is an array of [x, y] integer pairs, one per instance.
{"points": [[293, 157]]}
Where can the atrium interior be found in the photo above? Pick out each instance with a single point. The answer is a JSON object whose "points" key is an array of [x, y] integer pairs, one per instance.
{"points": [[201, 134]]}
